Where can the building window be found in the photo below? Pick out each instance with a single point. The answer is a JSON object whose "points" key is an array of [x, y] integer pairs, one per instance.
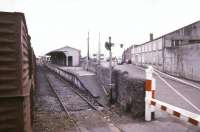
{"points": [[194, 41], [154, 46], [177, 43], [172, 43], [150, 47]]}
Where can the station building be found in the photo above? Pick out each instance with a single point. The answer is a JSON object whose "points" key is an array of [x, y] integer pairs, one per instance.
{"points": [[176, 53], [65, 56]]}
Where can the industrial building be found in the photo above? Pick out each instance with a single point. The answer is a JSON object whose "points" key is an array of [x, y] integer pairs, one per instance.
{"points": [[176, 53], [65, 56], [128, 55]]}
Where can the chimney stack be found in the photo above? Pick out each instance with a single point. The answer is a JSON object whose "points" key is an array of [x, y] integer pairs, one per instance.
{"points": [[151, 36]]}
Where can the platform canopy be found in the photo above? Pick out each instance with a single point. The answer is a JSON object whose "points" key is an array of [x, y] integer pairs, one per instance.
{"points": [[65, 56]]}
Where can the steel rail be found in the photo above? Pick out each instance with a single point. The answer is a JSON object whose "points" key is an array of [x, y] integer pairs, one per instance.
{"points": [[91, 105], [61, 102], [110, 123]]}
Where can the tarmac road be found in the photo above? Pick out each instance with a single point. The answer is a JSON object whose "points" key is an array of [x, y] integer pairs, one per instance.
{"points": [[166, 94], [163, 121]]}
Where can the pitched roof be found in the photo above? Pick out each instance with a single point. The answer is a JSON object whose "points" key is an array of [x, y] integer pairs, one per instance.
{"points": [[63, 49], [169, 33]]}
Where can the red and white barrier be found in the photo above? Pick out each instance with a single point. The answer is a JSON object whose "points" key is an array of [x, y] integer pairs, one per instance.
{"points": [[149, 93], [151, 104], [182, 114]]}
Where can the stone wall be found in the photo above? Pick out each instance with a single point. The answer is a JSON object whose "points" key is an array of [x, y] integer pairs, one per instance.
{"points": [[103, 76], [128, 93]]}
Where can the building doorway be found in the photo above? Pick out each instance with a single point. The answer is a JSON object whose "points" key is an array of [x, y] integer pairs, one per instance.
{"points": [[70, 60]]}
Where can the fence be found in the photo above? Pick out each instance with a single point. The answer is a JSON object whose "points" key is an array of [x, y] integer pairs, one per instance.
{"points": [[69, 76]]}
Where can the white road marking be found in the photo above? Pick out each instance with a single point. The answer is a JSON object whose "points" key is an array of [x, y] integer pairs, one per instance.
{"points": [[179, 80], [182, 96]]}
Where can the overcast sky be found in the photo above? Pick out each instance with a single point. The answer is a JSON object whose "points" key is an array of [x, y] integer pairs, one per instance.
{"points": [[55, 23]]}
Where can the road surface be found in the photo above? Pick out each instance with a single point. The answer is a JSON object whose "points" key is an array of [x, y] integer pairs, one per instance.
{"points": [[164, 122], [166, 94]]}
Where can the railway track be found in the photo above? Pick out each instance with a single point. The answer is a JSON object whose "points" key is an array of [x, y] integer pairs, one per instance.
{"points": [[73, 99], [66, 110]]}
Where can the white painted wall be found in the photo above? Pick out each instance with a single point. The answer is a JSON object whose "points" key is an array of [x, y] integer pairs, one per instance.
{"points": [[75, 55], [149, 52]]}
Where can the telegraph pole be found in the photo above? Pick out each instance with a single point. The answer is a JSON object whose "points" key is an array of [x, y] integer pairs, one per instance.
{"points": [[88, 52], [88, 47], [99, 51]]}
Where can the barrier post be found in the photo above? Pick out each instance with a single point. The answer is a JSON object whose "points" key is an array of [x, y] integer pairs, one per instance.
{"points": [[148, 92], [153, 96]]}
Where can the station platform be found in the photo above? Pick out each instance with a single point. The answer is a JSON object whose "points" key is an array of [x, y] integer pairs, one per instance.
{"points": [[90, 82]]}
